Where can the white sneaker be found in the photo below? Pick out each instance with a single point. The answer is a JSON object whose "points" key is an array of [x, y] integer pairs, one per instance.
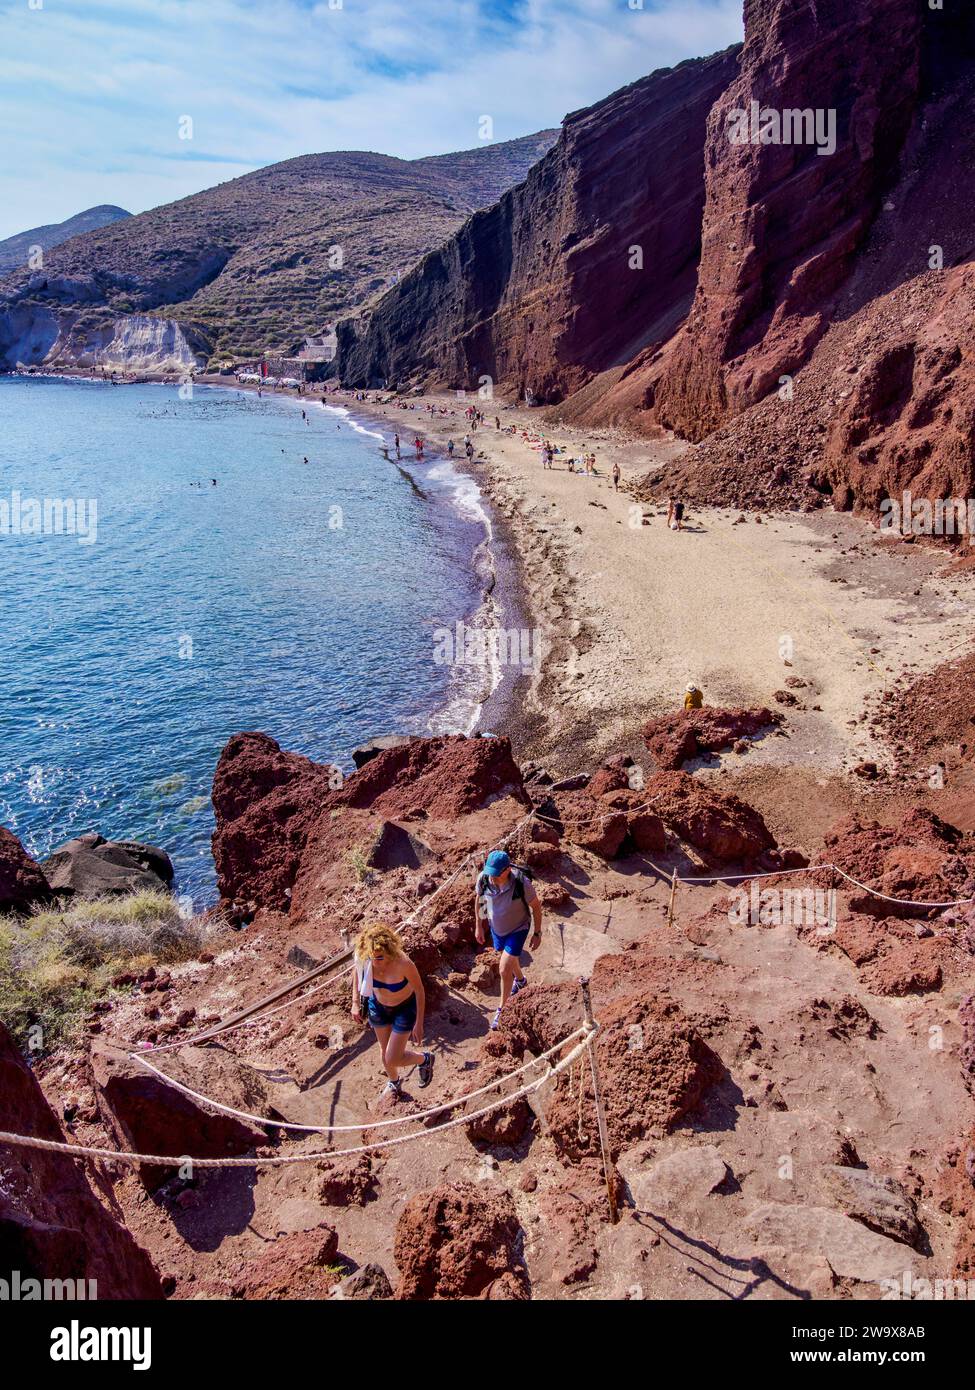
{"points": [[495, 1020]]}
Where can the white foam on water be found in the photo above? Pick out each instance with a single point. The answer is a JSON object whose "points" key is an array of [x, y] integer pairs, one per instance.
{"points": [[353, 423]]}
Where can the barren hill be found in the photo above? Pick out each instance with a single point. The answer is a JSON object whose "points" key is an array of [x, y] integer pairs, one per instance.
{"points": [[15, 250], [256, 264]]}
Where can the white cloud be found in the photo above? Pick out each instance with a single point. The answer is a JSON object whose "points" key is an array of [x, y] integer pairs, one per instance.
{"points": [[91, 91]]}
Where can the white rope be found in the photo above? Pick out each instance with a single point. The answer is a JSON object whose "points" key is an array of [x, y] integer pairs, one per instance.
{"points": [[218, 1032], [814, 869], [254, 1018], [26, 1141], [375, 1124]]}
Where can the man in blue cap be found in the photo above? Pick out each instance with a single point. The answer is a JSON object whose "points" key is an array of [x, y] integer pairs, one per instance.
{"points": [[506, 899]]}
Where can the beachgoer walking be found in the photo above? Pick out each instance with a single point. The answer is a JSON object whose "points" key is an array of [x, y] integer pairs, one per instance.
{"points": [[616, 477], [505, 899], [396, 443], [675, 514], [450, 447], [693, 699], [387, 989]]}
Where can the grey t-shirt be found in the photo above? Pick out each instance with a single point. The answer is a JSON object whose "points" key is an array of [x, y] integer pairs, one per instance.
{"points": [[505, 912]]}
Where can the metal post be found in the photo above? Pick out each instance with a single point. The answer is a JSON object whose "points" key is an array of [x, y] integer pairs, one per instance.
{"points": [[673, 894], [598, 1099]]}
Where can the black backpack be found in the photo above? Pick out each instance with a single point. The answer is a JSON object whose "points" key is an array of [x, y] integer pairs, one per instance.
{"points": [[519, 872]]}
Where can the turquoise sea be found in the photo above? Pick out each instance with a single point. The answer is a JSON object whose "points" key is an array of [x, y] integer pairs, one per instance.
{"points": [[299, 599]]}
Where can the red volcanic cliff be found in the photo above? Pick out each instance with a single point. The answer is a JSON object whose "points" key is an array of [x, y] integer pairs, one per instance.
{"points": [[52, 1226], [782, 222], [804, 316], [548, 288]]}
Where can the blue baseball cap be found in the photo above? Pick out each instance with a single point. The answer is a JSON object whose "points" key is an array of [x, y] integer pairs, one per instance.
{"points": [[496, 863]]}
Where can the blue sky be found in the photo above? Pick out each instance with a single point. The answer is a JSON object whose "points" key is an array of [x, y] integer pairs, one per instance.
{"points": [[92, 92]]}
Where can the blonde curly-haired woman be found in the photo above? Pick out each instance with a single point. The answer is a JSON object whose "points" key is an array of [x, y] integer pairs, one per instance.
{"points": [[389, 984]]}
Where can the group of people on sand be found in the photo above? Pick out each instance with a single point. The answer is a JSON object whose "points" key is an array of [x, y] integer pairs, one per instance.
{"points": [[388, 993]]}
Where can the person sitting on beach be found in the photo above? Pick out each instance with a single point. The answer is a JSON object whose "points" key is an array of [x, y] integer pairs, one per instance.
{"points": [[388, 984], [693, 699], [505, 898]]}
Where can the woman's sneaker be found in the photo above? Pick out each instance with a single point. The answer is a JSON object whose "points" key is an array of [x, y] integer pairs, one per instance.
{"points": [[518, 984], [426, 1069], [495, 1020], [393, 1088]]}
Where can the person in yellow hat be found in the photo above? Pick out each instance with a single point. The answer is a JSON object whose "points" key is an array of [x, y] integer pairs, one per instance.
{"points": [[693, 699]]}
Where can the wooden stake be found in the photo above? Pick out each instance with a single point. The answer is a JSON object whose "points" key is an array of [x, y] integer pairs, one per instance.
{"points": [[598, 1099], [673, 894]]}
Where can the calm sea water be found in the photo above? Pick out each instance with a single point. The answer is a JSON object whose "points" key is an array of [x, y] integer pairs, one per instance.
{"points": [[200, 611]]}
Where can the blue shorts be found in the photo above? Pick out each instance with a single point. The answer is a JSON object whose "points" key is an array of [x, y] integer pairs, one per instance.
{"points": [[513, 944], [401, 1017]]}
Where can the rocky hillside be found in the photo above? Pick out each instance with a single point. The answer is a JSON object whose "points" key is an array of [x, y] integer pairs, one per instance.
{"points": [[591, 259], [257, 264], [825, 350], [771, 1088], [847, 280], [15, 250]]}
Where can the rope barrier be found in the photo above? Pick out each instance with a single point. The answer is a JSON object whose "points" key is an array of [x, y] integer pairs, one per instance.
{"points": [[250, 1015], [26, 1141], [772, 873], [375, 1124], [813, 869]]}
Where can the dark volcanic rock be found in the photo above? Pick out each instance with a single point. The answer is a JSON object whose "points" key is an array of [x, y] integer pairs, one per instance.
{"points": [[22, 880], [93, 867], [52, 1226], [396, 848], [367, 751]]}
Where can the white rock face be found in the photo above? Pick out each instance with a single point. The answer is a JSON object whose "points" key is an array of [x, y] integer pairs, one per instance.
{"points": [[141, 343], [32, 336]]}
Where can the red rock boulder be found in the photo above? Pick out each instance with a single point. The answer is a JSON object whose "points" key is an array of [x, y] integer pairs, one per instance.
{"points": [[921, 858], [148, 1116], [654, 1069], [265, 802], [674, 738], [439, 777], [52, 1226], [590, 824], [22, 881], [455, 1241], [719, 824]]}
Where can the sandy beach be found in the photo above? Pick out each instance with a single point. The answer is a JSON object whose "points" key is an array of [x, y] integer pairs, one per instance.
{"points": [[814, 605], [631, 610]]}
